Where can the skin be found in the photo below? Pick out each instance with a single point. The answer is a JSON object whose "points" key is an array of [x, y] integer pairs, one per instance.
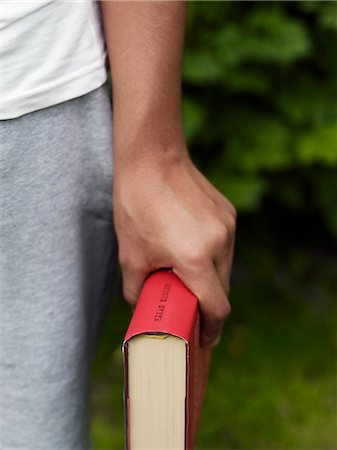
{"points": [[166, 213]]}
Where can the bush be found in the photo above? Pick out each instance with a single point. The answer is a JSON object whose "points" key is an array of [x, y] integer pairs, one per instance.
{"points": [[260, 102]]}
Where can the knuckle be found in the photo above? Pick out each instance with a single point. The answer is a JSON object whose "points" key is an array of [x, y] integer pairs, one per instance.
{"points": [[228, 308], [221, 312], [220, 235], [231, 224], [193, 255], [231, 209]]}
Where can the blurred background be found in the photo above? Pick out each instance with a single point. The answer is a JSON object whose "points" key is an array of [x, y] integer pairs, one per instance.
{"points": [[260, 82]]}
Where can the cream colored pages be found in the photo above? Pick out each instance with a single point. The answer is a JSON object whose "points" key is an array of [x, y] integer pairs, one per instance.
{"points": [[157, 390]]}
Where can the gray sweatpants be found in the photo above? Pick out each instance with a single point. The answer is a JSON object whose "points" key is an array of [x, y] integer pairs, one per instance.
{"points": [[58, 258]]}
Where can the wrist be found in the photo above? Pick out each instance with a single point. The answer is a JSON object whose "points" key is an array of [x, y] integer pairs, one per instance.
{"points": [[152, 140], [147, 118], [145, 157]]}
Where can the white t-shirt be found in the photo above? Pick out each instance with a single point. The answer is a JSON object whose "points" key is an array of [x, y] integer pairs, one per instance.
{"points": [[51, 51]]}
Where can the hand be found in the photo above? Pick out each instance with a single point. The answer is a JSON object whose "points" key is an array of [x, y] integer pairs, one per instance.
{"points": [[167, 214]]}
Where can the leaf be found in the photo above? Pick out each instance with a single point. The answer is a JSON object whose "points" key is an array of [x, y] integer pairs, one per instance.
{"points": [[303, 103], [318, 145], [266, 35], [247, 79], [201, 68], [257, 142]]}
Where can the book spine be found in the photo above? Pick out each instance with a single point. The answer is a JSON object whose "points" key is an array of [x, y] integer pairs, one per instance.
{"points": [[164, 306]]}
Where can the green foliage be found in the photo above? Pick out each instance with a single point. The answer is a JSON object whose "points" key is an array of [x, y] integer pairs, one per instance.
{"points": [[260, 84]]}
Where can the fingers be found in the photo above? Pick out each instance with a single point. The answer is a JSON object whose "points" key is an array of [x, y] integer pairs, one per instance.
{"points": [[133, 280], [205, 282], [214, 305]]}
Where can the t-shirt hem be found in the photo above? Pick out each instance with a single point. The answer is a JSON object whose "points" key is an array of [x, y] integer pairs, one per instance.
{"points": [[79, 85]]}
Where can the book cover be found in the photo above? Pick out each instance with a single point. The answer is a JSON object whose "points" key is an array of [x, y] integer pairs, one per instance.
{"points": [[167, 307]]}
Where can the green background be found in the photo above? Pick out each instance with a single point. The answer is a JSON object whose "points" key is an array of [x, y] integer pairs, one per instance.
{"points": [[260, 83]]}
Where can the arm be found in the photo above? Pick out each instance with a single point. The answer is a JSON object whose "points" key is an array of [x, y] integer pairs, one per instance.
{"points": [[166, 213]]}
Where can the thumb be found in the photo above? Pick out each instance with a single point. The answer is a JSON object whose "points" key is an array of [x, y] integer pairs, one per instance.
{"points": [[133, 280]]}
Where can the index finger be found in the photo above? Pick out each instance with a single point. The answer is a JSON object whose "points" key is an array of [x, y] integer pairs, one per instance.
{"points": [[213, 302]]}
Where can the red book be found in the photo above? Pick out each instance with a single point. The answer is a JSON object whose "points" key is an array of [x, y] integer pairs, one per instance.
{"points": [[166, 370]]}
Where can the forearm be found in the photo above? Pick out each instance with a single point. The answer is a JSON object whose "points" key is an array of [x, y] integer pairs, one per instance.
{"points": [[145, 48], [166, 213]]}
